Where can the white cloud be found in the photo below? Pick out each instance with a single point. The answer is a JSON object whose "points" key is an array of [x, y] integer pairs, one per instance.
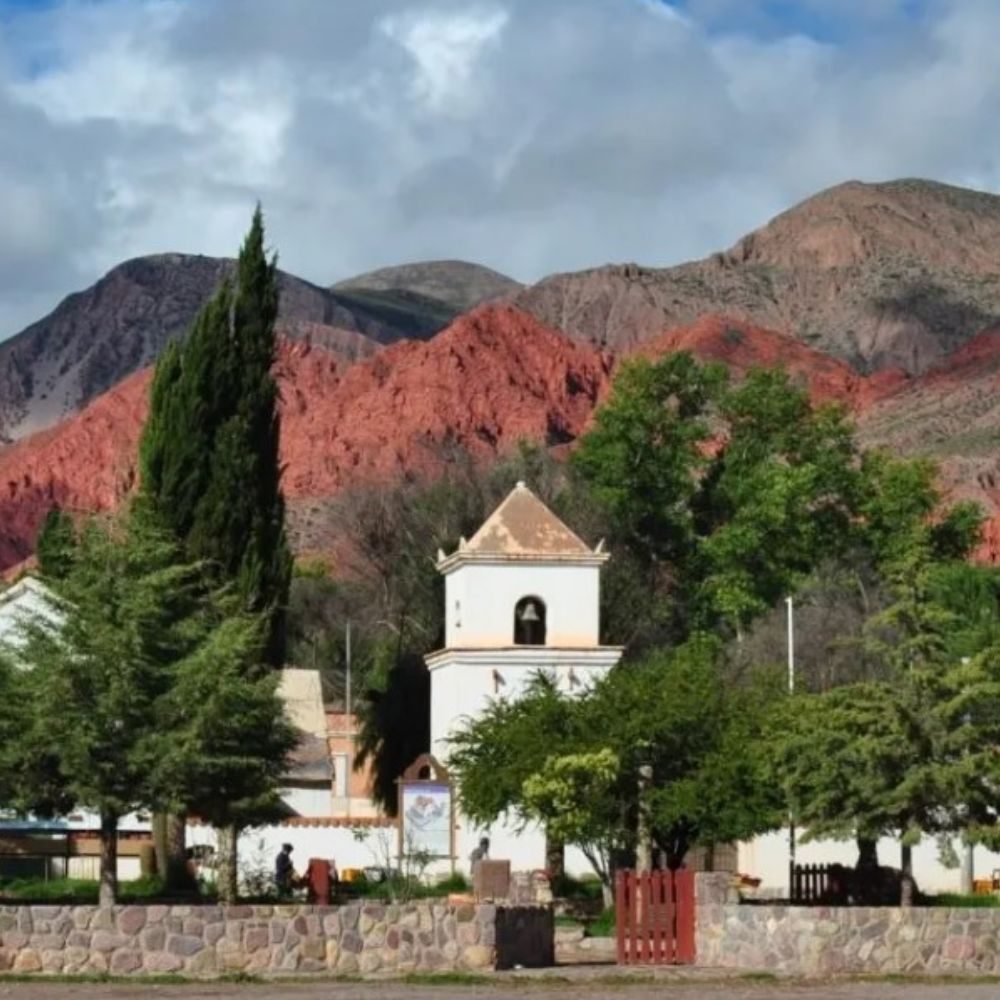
{"points": [[445, 45], [532, 136]]}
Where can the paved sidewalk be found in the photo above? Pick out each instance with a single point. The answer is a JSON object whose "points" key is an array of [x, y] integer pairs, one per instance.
{"points": [[558, 984]]}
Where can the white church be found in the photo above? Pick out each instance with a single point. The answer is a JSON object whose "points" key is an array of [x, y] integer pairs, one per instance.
{"points": [[521, 596]]}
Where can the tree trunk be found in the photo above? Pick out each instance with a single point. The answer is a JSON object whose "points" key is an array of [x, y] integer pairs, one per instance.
{"points": [[555, 858], [906, 883], [867, 854], [227, 871], [158, 824], [108, 891], [177, 875]]}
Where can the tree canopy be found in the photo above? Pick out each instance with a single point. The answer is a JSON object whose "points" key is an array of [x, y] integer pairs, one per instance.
{"points": [[117, 709]]}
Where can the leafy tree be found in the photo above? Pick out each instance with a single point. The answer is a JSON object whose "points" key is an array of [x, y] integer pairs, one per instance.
{"points": [[972, 595], [702, 741], [395, 726], [562, 796], [134, 691], [228, 739], [670, 713], [90, 684], [645, 453], [732, 493], [506, 744], [857, 761], [869, 759], [967, 768], [779, 493]]}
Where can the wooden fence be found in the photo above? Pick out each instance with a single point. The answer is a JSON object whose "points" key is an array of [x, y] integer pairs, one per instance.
{"points": [[810, 883], [655, 917]]}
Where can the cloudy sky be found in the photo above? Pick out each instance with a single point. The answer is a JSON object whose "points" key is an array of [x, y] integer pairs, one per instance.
{"points": [[530, 135]]}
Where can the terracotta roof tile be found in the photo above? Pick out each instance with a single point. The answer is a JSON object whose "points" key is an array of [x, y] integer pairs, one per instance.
{"points": [[523, 526]]}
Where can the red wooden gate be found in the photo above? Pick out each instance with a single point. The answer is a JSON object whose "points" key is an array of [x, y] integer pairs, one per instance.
{"points": [[654, 912]]}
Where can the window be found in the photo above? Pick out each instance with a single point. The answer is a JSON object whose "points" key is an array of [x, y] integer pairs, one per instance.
{"points": [[529, 622]]}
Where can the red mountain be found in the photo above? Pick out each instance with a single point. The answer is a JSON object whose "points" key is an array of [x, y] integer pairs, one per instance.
{"points": [[741, 345], [493, 377], [497, 375]]}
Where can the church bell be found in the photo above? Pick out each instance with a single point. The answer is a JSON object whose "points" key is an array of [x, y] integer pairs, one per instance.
{"points": [[529, 613]]}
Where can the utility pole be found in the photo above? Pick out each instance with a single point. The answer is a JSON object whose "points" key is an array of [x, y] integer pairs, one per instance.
{"points": [[791, 690]]}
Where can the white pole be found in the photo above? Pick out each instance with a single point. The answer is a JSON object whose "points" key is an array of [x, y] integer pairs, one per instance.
{"points": [[791, 645], [791, 690]]}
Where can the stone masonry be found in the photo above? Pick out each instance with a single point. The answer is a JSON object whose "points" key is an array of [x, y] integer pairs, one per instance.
{"points": [[827, 940], [364, 937]]}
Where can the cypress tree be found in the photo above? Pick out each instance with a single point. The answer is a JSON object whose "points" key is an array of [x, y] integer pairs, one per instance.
{"points": [[210, 467], [209, 452]]}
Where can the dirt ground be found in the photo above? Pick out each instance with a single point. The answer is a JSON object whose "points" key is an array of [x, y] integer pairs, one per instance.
{"points": [[592, 988]]}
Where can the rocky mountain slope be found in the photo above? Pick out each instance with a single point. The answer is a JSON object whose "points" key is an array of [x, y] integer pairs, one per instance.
{"points": [[893, 275], [492, 378], [97, 337], [457, 284], [882, 276]]}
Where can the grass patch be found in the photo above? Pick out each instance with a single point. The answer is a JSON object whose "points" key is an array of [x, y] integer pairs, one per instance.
{"points": [[77, 890], [398, 888], [960, 900], [604, 925], [445, 979]]}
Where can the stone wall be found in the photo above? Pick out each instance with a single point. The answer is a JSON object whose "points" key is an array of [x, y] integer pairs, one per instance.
{"points": [[826, 940], [202, 940]]}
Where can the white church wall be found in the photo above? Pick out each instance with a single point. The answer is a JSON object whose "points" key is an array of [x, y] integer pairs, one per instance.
{"points": [[308, 801], [766, 858], [24, 603], [461, 690], [348, 847], [480, 599]]}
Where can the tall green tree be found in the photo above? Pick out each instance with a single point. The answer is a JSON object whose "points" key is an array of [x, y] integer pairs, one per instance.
{"points": [[967, 715], [209, 452], [226, 737], [91, 674], [140, 686], [733, 493], [209, 457]]}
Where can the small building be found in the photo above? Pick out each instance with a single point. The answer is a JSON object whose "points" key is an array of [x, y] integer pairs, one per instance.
{"points": [[26, 601], [521, 596]]}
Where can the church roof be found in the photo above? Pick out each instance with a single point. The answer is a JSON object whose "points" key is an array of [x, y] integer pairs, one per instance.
{"points": [[522, 527]]}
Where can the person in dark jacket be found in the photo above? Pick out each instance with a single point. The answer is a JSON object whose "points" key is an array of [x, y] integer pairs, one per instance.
{"points": [[284, 871]]}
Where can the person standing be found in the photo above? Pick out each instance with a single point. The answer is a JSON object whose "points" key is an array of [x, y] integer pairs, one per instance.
{"points": [[284, 871], [480, 853]]}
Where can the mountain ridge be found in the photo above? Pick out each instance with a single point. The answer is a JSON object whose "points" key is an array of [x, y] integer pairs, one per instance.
{"points": [[884, 275], [493, 377]]}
